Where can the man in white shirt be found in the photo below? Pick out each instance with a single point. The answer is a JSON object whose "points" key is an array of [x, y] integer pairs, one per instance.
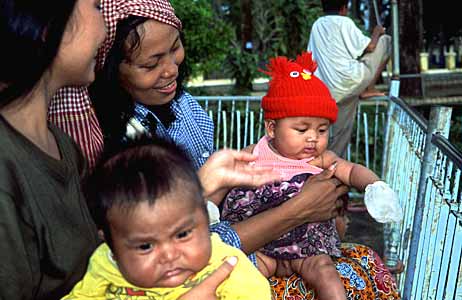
{"points": [[349, 63]]}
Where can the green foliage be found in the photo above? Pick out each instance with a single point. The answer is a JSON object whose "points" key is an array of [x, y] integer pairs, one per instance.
{"points": [[282, 27], [279, 27], [207, 37], [243, 67]]}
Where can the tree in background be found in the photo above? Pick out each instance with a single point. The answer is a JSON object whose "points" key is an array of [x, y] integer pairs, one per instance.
{"points": [[207, 36], [411, 43], [277, 27]]}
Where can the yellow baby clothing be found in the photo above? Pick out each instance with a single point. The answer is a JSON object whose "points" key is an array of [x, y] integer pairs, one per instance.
{"points": [[103, 280]]}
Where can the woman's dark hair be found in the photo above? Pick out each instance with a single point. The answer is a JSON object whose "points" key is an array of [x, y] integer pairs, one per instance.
{"points": [[31, 33], [145, 171], [113, 104], [333, 6]]}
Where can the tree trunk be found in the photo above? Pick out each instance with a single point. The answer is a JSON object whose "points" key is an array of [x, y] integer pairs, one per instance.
{"points": [[246, 23], [354, 8], [411, 42]]}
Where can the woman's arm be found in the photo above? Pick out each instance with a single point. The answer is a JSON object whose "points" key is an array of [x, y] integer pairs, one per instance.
{"points": [[316, 202], [226, 169]]}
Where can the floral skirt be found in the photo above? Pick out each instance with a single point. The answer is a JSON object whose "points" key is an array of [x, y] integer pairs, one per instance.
{"points": [[363, 274]]}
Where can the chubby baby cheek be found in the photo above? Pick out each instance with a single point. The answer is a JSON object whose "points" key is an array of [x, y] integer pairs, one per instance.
{"points": [[202, 253]]}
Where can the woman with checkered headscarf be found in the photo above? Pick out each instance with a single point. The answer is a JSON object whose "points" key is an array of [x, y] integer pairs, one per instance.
{"points": [[138, 90]]}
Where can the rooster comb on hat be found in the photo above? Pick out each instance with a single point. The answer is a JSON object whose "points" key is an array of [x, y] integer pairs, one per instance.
{"points": [[294, 91]]}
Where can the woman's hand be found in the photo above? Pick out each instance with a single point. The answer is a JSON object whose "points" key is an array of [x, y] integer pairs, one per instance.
{"points": [[317, 201], [228, 168], [206, 290]]}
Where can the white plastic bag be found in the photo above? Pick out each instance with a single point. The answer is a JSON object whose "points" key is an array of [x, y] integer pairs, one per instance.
{"points": [[214, 213], [382, 203]]}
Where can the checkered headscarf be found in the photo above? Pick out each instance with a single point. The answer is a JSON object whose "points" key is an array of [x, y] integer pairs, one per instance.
{"points": [[71, 108], [117, 10]]}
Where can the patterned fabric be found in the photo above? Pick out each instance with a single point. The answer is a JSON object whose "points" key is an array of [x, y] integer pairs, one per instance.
{"points": [[71, 108], [230, 237], [305, 240], [71, 111], [361, 270], [192, 128]]}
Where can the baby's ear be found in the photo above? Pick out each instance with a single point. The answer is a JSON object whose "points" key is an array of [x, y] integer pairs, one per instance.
{"points": [[101, 235], [269, 127]]}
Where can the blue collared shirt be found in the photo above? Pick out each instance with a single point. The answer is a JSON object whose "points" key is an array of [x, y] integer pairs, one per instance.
{"points": [[192, 128]]}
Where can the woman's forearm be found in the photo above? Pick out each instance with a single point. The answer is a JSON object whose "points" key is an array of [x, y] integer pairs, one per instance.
{"points": [[267, 226]]}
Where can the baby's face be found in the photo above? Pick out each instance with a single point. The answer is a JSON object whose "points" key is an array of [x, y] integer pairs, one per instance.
{"points": [[161, 245], [299, 137]]}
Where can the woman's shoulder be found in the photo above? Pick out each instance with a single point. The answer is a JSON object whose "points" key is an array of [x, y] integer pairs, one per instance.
{"points": [[187, 99], [70, 151]]}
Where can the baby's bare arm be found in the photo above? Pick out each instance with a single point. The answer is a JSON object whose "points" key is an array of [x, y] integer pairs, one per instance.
{"points": [[351, 174]]}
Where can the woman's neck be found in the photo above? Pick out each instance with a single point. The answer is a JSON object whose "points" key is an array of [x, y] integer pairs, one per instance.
{"points": [[29, 114]]}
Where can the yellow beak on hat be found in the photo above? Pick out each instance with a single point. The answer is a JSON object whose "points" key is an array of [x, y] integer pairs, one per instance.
{"points": [[306, 75]]}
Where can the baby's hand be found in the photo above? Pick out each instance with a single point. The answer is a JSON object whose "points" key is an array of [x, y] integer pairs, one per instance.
{"points": [[382, 203]]}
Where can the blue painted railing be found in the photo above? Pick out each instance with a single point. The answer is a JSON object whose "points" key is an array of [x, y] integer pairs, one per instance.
{"points": [[415, 158], [425, 169]]}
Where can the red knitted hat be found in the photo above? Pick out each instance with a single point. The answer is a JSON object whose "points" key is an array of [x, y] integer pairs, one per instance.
{"points": [[294, 91]]}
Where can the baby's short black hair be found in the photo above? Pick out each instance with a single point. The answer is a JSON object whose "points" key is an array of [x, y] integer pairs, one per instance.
{"points": [[141, 172], [333, 6]]}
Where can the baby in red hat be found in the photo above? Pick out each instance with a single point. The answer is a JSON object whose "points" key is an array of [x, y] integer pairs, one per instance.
{"points": [[298, 111]]}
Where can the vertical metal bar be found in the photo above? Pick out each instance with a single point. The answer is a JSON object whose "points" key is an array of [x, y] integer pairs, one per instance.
{"points": [[232, 129], [252, 127], [394, 84], [395, 39], [246, 124], [260, 123], [238, 126], [439, 120], [366, 139], [225, 130], [376, 136], [453, 285], [218, 131], [386, 142]]}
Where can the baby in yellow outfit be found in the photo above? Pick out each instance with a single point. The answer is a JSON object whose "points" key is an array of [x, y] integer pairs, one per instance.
{"points": [[147, 202]]}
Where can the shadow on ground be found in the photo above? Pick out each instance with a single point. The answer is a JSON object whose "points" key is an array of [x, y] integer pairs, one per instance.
{"points": [[362, 229]]}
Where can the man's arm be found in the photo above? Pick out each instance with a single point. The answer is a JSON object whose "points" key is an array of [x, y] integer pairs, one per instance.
{"points": [[376, 33]]}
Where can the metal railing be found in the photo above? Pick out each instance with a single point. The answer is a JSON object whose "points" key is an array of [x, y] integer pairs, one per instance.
{"points": [[425, 169], [414, 157], [239, 123]]}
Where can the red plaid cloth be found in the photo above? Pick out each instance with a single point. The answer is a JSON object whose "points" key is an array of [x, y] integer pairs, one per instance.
{"points": [[71, 111], [71, 108]]}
